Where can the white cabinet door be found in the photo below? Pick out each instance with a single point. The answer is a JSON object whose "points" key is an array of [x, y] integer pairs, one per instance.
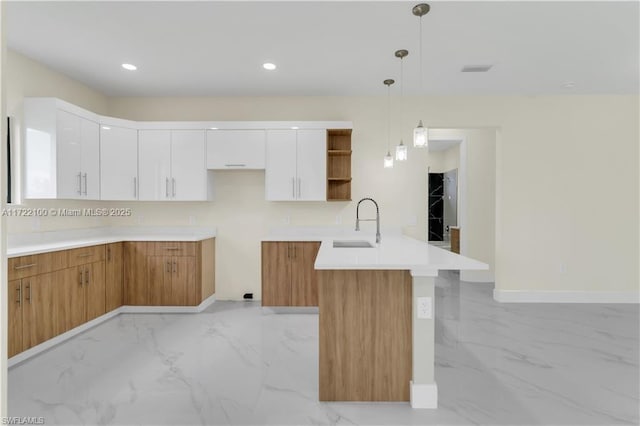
{"points": [[154, 164], [188, 171], [118, 163], [235, 149], [69, 173], [90, 159], [312, 165], [280, 165]]}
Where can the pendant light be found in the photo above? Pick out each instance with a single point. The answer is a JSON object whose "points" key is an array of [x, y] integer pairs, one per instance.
{"points": [[420, 133], [401, 149], [388, 159]]}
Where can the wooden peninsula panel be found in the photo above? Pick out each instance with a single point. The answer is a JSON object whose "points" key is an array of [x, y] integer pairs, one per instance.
{"points": [[365, 335]]}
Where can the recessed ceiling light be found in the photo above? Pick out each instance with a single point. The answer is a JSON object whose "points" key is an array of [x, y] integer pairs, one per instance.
{"points": [[269, 66], [129, 67], [213, 128], [569, 84], [106, 128], [295, 127]]}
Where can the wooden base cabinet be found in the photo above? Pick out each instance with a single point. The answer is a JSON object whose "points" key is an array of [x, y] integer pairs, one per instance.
{"points": [[114, 278], [15, 306], [288, 275], [169, 273]]}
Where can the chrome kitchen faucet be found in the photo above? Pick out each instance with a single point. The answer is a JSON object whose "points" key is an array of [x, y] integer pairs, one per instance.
{"points": [[377, 219]]}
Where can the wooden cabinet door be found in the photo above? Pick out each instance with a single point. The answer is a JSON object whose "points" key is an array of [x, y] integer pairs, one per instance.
{"points": [[183, 281], [113, 276], [94, 290], [68, 299], [304, 281], [159, 279], [311, 160], [14, 330], [118, 163], [136, 291], [38, 310], [188, 168], [276, 274]]}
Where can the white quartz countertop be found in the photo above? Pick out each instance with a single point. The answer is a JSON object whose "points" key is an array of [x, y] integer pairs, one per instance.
{"points": [[394, 252], [42, 242]]}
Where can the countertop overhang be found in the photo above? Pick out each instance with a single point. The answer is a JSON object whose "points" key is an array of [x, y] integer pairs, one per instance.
{"points": [[394, 252]]}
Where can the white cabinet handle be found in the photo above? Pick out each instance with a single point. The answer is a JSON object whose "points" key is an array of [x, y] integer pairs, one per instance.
{"points": [[135, 187], [173, 184], [85, 184], [299, 184], [235, 165], [293, 187], [79, 183], [166, 188]]}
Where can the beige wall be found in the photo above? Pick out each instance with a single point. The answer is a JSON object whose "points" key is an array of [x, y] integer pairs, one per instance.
{"points": [[551, 156], [444, 161]]}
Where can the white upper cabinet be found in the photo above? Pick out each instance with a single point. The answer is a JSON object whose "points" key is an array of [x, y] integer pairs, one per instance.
{"points": [[118, 163], [296, 166], [171, 165], [280, 172], [62, 151], [188, 171], [235, 149]]}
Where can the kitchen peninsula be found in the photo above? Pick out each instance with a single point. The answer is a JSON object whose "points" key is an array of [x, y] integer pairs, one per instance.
{"points": [[376, 318]]}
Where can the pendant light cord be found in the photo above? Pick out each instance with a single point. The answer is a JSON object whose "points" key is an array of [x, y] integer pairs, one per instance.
{"points": [[421, 85], [388, 118]]}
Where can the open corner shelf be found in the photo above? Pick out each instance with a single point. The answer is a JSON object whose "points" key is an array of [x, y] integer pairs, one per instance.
{"points": [[339, 165]]}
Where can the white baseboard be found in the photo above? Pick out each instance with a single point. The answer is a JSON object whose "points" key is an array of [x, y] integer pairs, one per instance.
{"points": [[526, 296], [266, 310], [23, 356], [424, 395]]}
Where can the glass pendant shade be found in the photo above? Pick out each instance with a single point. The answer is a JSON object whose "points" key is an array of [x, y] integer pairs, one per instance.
{"points": [[388, 160], [401, 152], [420, 139]]}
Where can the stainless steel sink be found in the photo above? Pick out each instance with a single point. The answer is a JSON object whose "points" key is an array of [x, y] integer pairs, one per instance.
{"points": [[352, 244]]}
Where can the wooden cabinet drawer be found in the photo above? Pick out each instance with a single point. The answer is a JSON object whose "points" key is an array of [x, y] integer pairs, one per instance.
{"points": [[28, 266], [84, 255], [173, 248]]}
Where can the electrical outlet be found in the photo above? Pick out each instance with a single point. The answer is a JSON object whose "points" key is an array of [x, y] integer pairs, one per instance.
{"points": [[192, 220], [140, 219], [339, 219], [35, 223], [424, 308], [563, 268], [286, 220], [412, 220]]}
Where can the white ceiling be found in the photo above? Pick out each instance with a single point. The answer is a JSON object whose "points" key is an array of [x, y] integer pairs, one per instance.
{"points": [[332, 48]]}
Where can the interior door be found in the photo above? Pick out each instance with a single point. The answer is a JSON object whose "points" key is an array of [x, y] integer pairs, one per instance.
{"points": [[154, 164], [312, 165], [68, 145], [188, 168], [280, 165], [118, 163]]}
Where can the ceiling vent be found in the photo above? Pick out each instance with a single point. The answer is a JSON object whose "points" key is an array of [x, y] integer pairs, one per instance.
{"points": [[476, 68]]}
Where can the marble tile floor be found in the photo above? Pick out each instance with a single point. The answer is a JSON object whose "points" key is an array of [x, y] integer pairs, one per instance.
{"points": [[496, 364]]}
